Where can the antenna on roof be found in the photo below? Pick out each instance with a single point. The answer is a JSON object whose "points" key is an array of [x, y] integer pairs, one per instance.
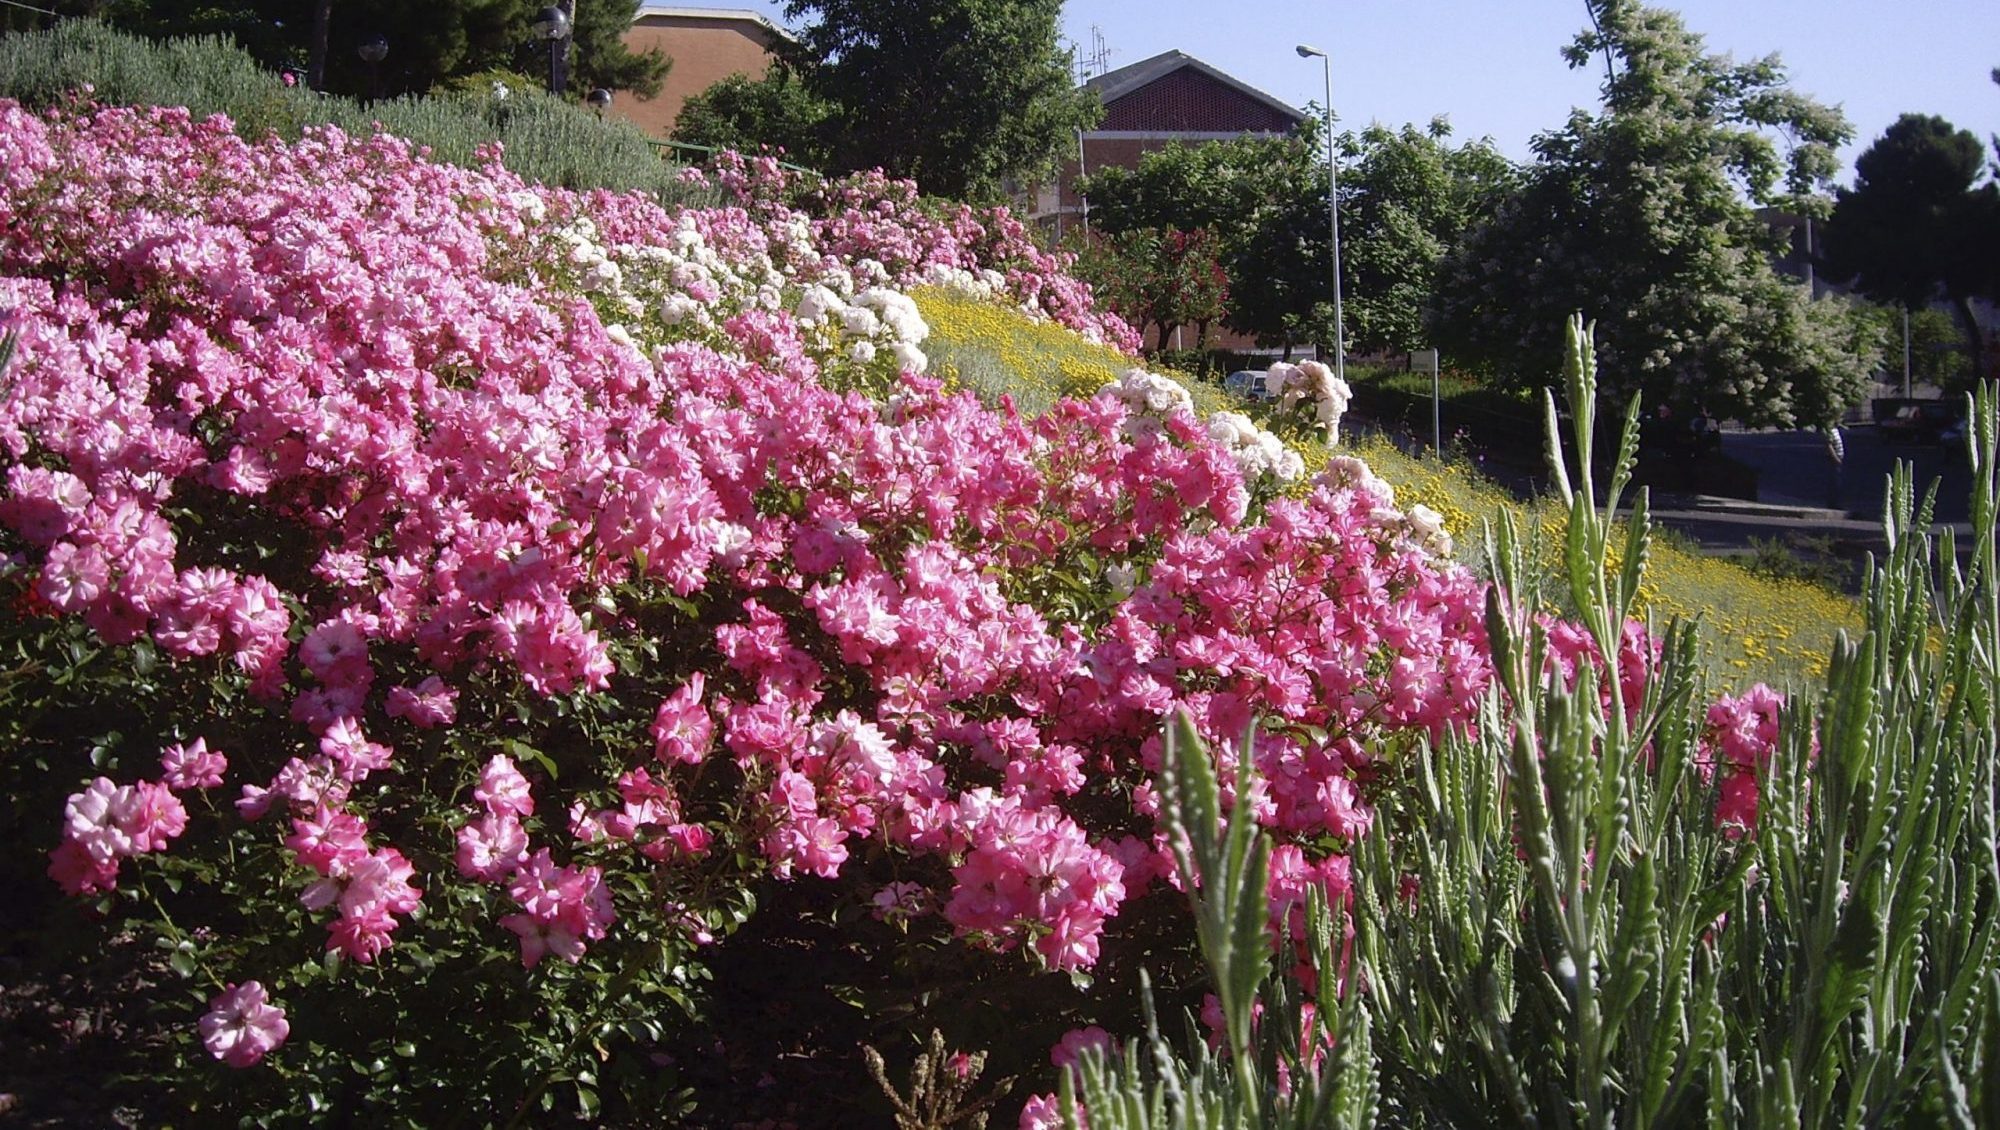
{"points": [[1098, 60]]}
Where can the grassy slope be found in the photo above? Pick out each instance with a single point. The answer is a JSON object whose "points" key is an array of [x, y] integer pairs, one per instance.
{"points": [[1754, 628]]}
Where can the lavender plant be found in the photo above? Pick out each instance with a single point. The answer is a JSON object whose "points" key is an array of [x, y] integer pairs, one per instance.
{"points": [[1607, 904]]}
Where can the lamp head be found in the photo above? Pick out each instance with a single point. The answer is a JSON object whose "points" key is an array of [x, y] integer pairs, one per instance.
{"points": [[373, 50], [1308, 51], [551, 23]]}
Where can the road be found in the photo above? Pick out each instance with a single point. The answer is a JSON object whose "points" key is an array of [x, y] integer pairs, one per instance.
{"points": [[1802, 495]]}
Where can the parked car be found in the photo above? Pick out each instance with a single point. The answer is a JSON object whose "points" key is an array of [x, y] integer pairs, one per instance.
{"points": [[1247, 383], [1927, 422]]}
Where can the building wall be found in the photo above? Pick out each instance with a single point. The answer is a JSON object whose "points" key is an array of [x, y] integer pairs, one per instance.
{"points": [[704, 51], [1187, 100]]}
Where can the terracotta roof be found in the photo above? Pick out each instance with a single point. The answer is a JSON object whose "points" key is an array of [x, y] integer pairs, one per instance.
{"points": [[1113, 85]]}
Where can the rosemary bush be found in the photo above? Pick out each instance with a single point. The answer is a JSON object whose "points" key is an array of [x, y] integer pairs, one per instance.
{"points": [[1558, 931]]}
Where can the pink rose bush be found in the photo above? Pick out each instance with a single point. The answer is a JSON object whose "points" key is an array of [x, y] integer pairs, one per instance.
{"points": [[558, 568]]}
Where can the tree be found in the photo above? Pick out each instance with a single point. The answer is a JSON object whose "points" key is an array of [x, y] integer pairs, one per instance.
{"points": [[1156, 279], [1407, 197], [962, 96], [429, 44], [747, 115], [1909, 231], [1264, 198], [602, 59], [1640, 216]]}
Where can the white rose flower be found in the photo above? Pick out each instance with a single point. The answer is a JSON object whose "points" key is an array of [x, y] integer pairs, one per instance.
{"points": [[602, 275], [1232, 429], [678, 308], [909, 358], [1121, 578], [816, 303], [530, 205], [862, 352], [1426, 528], [859, 321]]}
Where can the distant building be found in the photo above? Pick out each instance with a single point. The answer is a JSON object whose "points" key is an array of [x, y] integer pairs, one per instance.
{"points": [[1148, 105], [706, 45], [1167, 99]]}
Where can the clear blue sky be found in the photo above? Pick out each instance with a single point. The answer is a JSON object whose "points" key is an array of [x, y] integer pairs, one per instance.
{"points": [[1493, 67]]}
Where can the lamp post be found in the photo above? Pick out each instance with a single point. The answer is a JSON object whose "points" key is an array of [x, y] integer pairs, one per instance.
{"points": [[600, 100], [1307, 51], [372, 51], [553, 25]]}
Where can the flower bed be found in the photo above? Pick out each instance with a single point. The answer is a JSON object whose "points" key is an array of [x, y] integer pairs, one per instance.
{"points": [[486, 590], [467, 640]]}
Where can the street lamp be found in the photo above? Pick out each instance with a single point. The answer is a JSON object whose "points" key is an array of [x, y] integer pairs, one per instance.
{"points": [[1332, 212], [600, 100], [552, 24], [372, 51]]}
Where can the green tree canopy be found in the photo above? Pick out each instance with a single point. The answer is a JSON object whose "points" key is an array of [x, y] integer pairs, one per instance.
{"points": [[962, 96], [747, 115], [1407, 197], [1641, 217], [1916, 228], [1156, 279], [1264, 198]]}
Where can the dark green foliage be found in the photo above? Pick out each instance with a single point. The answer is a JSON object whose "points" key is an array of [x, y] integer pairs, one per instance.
{"points": [[1264, 199], [544, 139], [429, 43], [602, 58], [1814, 560], [966, 97], [1407, 198], [1155, 280], [1641, 216], [1898, 233], [750, 115], [1916, 228]]}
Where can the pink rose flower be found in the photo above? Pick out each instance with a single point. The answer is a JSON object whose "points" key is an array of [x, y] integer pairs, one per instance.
{"points": [[243, 1026]]}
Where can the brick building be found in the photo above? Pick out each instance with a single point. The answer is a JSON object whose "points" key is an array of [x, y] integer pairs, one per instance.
{"points": [[707, 45], [1167, 99], [1148, 105]]}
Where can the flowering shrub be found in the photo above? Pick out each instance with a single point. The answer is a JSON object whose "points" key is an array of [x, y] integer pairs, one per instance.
{"points": [[556, 572], [1584, 903]]}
